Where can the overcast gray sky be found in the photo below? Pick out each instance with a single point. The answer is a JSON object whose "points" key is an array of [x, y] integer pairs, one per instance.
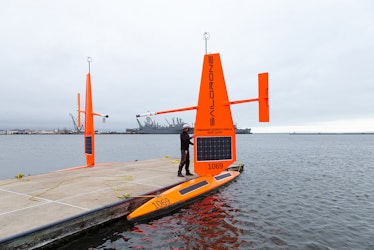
{"points": [[147, 56]]}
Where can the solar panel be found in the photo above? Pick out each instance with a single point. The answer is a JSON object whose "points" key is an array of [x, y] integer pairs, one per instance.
{"points": [[222, 176], [88, 149], [214, 148], [193, 187]]}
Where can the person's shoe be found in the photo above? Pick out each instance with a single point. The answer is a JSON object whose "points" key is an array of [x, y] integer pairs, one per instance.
{"points": [[189, 174], [180, 175]]}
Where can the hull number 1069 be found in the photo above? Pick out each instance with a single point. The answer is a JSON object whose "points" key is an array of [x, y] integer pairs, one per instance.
{"points": [[215, 165], [160, 203]]}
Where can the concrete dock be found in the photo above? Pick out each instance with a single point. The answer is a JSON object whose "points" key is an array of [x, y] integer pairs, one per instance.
{"points": [[36, 211]]}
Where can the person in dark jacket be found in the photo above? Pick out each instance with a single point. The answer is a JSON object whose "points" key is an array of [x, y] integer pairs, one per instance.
{"points": [[185, 153]]}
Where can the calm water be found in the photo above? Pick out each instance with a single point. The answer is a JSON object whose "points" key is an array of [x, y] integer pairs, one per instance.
{"points": [[296, 192]]}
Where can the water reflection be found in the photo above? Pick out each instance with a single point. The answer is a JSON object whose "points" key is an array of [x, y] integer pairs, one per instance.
{"points": [[207, 223]]}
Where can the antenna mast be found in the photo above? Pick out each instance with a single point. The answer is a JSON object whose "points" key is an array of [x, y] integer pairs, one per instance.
{"points": [[89, 60], [206, 37]]}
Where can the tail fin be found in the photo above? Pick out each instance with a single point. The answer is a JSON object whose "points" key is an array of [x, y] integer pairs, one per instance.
{"points": [[263, 97]]}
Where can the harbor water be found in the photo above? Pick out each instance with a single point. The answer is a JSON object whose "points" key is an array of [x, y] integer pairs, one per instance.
{"points": [[296, 192]]}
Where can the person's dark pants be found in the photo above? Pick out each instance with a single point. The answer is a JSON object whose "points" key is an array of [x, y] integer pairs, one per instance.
{"points": [[185, 160]]}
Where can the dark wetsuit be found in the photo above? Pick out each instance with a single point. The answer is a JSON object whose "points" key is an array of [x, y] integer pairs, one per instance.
{"points": [[185, 153]]}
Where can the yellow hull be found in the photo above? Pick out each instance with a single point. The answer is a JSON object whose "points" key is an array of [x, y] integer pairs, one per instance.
{"points": [[180, 195]]}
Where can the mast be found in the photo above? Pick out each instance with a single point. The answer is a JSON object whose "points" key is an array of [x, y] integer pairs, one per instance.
{"points": [[206, 37], [89, 131]]}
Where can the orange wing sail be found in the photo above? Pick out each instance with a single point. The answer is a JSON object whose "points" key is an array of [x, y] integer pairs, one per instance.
{"points": [[214, 130], [89, 131]]}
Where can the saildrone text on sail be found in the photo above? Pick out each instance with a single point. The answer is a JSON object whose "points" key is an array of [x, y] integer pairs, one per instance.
{"points": [[215, 139]]}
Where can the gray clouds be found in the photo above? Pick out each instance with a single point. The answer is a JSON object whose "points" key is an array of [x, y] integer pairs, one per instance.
{"points": [[148, 55]]}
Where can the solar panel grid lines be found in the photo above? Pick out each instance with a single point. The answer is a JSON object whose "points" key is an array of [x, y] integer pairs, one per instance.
{"points": [[214, 148]]}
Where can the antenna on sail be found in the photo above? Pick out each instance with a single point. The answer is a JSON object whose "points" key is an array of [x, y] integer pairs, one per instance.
{"points": [[206, 37], [89, 60]]}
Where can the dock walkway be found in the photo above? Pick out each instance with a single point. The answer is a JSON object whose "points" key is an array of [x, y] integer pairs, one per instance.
{"points": [[38, 210]]}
